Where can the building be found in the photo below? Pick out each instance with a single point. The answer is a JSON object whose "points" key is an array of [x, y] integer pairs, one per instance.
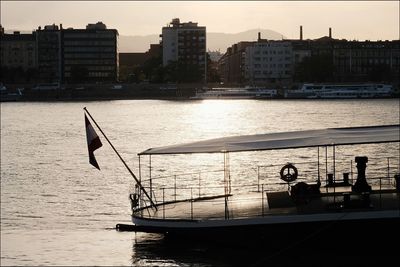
{"points": [[48, 43], [231, 66], [18, 51], [131, 64], [138, 59], [268, 61], [367, 60], [184, 43], [90, 55]]}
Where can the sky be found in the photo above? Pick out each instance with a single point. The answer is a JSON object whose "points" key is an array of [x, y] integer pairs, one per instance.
{"points": [[354, 20]]}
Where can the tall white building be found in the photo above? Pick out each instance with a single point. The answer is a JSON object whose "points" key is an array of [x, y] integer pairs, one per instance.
{"points": [[184, 43], [268, 61]]}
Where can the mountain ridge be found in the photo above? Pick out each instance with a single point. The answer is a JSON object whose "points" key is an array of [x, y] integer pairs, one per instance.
{"points": [[216, 41]]}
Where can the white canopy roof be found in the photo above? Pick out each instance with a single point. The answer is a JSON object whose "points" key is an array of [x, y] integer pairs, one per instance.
{"points": [[285, 140]]}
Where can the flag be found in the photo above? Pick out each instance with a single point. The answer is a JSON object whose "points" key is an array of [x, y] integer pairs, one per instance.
{"points": [[93, 142]]}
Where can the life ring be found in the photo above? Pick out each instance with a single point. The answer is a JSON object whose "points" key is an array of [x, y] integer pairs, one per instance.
{"points": [[291, 173]]}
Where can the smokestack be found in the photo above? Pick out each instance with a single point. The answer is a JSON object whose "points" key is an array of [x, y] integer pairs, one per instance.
{"points": [[301, 33], [259, 36], [330, 32]]}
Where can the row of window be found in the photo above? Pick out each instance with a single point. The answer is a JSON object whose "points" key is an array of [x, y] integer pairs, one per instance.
{"points": [[92, 68], [89, 62], [257, 66], [94, 74], [89, 43], [272, 52], [99, 34], [90, 56], [287, 72], [272, 58], [90, 49]]}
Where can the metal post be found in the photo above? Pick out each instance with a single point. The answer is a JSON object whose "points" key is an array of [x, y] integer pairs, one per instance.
{"points": [[388, 169], [334, 164], [326, 167], [262, 199], [334, 174], [319, 178], [199, 183], [175, 186], [351, 171], [151, 184], [258, 178], [191, 203], [140, 180], [140, 171], [380, 192], [163, 200]]}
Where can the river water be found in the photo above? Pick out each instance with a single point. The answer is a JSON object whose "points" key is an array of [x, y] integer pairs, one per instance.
{"points": [[56, 209]]}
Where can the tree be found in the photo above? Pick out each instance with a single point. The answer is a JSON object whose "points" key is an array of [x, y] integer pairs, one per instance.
{"points": [[212, 73]]}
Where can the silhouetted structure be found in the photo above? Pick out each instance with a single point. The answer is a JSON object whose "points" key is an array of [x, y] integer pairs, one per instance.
{"points": [[320, 60], [18, 57], [89, 55], [185, 44]]}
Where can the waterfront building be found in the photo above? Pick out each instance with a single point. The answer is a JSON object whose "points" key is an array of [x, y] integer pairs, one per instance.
{"points": [[268, 61], [366, 60], [184, 43], [130, 63], [231, 66], [18, 51], [90, 55], [48, 43]]}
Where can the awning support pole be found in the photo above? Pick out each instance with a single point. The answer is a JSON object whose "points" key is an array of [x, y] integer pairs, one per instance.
{"points": [[326, 167], [151, 182], [319, 178]]}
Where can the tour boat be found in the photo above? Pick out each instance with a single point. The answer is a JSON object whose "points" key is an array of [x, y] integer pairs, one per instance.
{"points": [[300, 207], [341, 91], [290, 200], [237, 93]]}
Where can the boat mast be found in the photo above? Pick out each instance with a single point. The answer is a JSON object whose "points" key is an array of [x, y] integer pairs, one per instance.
{"points": [[123, 161]]}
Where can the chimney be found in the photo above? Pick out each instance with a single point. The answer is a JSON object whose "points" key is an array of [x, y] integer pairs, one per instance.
{"points": [[301, 33], [330, 32], [259, 36]]}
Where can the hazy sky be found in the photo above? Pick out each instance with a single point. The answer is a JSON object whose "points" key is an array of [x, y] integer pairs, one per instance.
{"points": [[374, 20]]}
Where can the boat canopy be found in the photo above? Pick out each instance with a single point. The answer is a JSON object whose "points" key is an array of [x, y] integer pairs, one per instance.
{"points": [[286, 140]]}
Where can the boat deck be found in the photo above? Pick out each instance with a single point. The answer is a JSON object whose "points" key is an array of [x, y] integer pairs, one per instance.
{"points": [[256, 204]]}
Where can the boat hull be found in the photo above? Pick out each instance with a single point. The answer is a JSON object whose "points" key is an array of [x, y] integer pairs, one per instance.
{"points": [[281, 229]]}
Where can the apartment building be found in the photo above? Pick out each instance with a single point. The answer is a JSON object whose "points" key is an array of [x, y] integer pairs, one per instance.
{"points": [[18, 50], [184, 43], [90, 54], [268, 61]]}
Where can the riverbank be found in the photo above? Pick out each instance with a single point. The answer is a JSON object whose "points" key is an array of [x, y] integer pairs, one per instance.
{"points": [[98, 92]]}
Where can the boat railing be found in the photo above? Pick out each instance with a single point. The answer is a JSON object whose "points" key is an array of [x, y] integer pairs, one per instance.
{"points": [[195, 206], [165, 190]]}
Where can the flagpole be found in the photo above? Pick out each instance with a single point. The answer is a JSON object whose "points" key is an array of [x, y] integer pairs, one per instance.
{"points": [[123, 161]]}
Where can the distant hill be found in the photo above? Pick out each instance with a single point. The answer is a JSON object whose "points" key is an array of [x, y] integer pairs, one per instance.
{"points": [[215, 41]]}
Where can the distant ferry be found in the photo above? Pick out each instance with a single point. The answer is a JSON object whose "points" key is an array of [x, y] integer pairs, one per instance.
{"points": [[237, 93], [341, 91]]}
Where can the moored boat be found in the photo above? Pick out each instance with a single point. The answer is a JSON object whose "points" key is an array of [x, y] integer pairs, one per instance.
{"points": [[237, 93], [341, 91], [284, 201], [297, 208]]}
